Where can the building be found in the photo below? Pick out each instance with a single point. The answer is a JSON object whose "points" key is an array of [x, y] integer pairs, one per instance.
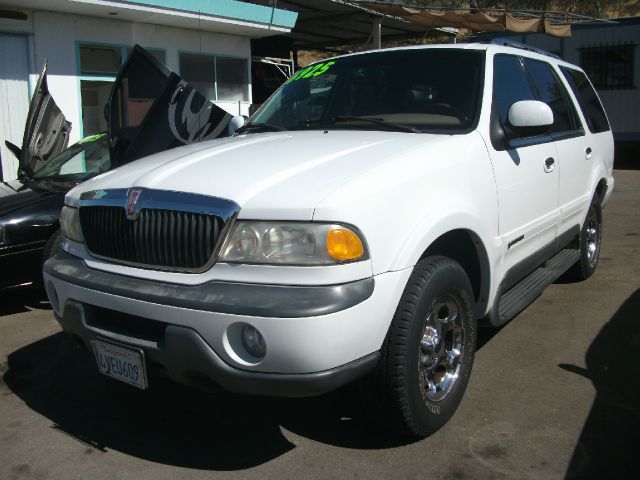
{"points": [[609, 53], [86, 41]]}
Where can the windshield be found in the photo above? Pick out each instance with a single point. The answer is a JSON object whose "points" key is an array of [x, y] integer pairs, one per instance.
{"points": [[409, 90], [85, 159]]}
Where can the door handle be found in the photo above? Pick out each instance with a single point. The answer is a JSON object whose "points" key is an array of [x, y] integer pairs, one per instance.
{"points": [[549, 164], [587, 153]]}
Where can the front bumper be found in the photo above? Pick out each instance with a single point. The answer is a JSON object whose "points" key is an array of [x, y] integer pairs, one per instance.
{"points": [[318, 337], [186, 358]]}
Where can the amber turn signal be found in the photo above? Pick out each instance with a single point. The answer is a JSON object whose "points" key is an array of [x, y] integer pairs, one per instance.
{"points": [[344, 245]]}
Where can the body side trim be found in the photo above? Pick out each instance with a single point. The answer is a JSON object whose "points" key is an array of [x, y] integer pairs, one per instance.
{"points": [[279, 301]]}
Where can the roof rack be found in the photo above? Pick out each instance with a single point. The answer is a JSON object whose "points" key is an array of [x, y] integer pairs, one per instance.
{"points": [[510, 43]]}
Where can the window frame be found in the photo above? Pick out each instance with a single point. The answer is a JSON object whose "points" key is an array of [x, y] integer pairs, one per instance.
{"points": [[573, 113], [496, 124], [564, 69]]}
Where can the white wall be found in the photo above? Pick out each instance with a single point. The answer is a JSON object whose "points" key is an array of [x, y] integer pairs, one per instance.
{"points": [[56, 36]]}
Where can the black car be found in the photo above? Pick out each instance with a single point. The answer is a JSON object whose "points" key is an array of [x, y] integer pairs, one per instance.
{"points": [[150, 109]]}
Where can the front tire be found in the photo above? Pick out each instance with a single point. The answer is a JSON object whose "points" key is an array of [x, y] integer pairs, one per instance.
{"points": [[53, 246], [427, 355]]}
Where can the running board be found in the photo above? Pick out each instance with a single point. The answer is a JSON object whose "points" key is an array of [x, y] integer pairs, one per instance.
{"points": [[516, 299]]}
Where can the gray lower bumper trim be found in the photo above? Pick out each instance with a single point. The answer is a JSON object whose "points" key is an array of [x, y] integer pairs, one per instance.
{"points": [[280, 301], [187, 358]]}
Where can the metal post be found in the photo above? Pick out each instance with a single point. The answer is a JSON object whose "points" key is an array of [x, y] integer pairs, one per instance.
{"points": [[377, 33]]}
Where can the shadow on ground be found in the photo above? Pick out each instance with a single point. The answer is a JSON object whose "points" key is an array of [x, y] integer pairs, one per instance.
{"points": [[608, 444], [175, 425], [23, 299]]}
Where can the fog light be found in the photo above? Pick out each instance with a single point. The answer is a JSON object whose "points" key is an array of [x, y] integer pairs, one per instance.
{"points": [[253, 341]]}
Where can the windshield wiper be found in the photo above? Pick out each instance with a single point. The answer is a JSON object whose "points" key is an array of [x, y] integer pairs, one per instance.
{"points": [[378, 121], [261, 127]]}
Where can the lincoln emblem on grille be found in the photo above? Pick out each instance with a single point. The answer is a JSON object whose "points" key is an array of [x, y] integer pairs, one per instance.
{"points": [[132, 201]]}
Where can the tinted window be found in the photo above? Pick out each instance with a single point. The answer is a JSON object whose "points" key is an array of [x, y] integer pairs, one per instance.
{"points": [[550, 91], [510, 84], [587, 99], [85, 159], [424, 89]]}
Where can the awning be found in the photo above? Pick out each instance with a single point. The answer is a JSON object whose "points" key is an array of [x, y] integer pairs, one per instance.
{"points": [[478, 21]]}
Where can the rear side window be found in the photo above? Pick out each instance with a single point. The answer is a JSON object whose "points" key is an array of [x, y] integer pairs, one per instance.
{"points": [[550, 91], [510, 84], [587, 99]]}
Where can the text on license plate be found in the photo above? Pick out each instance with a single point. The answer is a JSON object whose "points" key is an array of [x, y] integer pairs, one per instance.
{"points": [[121, 363]]}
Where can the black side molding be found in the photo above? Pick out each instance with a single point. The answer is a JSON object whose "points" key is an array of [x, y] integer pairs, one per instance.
{"points": [[528, 265], [515, 240]]}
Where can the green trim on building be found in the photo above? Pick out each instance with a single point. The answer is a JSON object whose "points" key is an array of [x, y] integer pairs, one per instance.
{"points": [[232, 9]]}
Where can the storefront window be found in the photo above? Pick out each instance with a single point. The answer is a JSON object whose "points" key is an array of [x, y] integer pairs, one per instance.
{"points": [[233, 81], [95, 95], [200, 72], [99, 66], [217, 78], [100, 60], [609, 67]]}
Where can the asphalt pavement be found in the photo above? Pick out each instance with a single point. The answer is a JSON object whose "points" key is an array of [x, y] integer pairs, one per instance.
{"points": [[553, 394]]}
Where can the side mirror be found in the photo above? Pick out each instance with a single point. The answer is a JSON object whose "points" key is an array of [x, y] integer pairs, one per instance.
{"points": [[235, 123], [529, 118]]}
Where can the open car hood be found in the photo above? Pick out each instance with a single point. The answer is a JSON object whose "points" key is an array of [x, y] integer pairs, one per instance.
{"points": [[151, 109], [46, 132]]}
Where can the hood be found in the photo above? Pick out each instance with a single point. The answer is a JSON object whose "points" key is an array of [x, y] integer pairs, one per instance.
{"points": [[280, 175], [46, 132]]}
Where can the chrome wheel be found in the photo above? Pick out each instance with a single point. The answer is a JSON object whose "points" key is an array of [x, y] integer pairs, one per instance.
{"points": [[441, 349], [592, 236]]}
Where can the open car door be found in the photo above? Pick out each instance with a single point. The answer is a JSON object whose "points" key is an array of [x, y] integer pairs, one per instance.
{"points": [[151, 109], [46, 132]]}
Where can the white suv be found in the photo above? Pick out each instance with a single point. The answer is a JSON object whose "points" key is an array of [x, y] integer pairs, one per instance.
{"points": [[373, 210]]}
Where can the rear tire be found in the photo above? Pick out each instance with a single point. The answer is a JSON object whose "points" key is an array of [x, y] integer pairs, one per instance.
{"points": [[590, 241], [428, 352]]}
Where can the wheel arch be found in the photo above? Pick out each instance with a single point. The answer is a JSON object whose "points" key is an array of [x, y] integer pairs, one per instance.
{"points": [[601, 188], [465, 247]]}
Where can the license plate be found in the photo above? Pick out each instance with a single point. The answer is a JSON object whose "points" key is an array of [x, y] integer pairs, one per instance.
{"points": [[122, 363]]}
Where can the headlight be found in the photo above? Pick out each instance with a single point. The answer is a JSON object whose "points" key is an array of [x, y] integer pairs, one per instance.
{"points": [[292, 243], [70, 224]]}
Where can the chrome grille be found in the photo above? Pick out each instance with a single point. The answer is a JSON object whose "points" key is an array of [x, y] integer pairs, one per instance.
{"points": [[167, 239]]}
